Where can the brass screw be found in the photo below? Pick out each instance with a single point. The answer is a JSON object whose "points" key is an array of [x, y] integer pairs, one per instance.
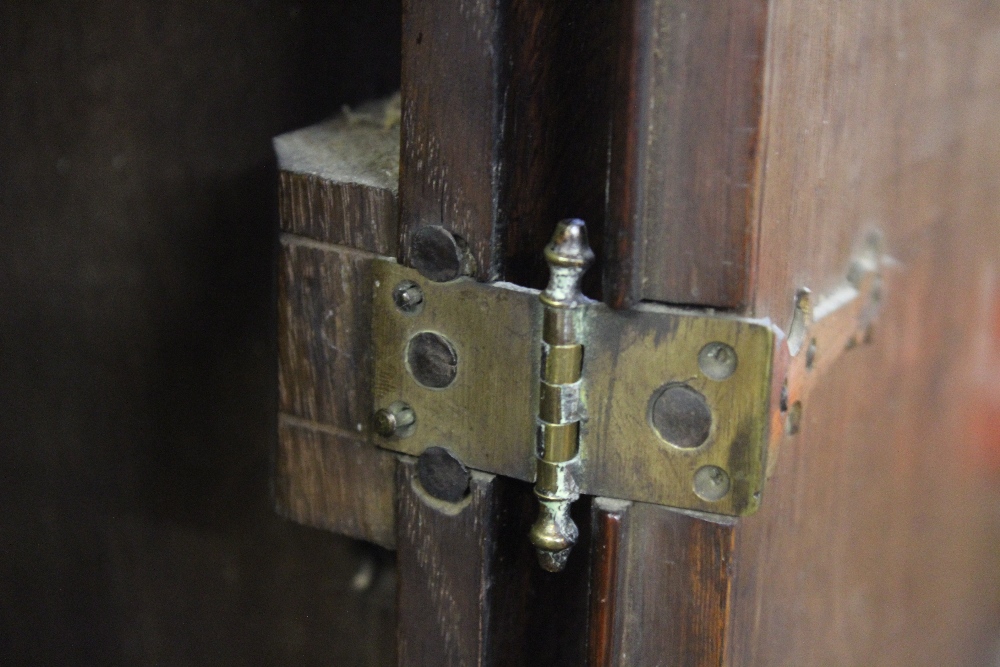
{"points": [[408, 296], [397, 420]]}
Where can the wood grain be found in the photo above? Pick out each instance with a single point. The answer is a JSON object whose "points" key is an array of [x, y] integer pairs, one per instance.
{"points": [[452, 121], [337, 186], [876, 540], [555, 146], [684, 152], [662, 587], [471, 591], [339, 179], [447, 568], [311, 485], [324, 334], [348, 214]]}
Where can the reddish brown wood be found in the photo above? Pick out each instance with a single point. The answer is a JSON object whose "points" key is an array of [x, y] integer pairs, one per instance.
{"points": [[684, 152], [556, 129], [874, 544], [660, 587], [604, 630]]}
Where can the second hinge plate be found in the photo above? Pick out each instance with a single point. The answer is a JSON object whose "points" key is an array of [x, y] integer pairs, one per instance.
{"points": [[677, 402]]}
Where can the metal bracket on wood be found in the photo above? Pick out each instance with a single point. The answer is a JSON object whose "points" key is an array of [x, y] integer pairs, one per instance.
{"points": [[662, 405]]}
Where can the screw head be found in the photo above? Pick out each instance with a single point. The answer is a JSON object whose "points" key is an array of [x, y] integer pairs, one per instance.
{"points": [[396, 420], [711, 483], [408, 297], [717, 361], [442, 475]]}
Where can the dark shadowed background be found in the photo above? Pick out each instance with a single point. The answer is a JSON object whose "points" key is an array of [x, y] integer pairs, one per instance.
{"points": [[137, 363]]}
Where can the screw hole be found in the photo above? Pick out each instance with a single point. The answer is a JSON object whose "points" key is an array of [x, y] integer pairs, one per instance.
{"points": [[793, 421], [811, 355]]}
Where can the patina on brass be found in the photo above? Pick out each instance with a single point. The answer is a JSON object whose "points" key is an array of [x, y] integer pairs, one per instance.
{"points": [[579, 417], [559, 408]]}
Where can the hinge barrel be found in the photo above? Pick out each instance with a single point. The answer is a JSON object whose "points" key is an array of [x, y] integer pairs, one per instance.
{"points": [[559, 408]]}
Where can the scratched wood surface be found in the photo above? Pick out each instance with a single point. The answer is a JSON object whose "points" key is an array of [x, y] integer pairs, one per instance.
{"points": [[685, 125], [876, 539], [338, 186], [339, 178], [447, 565], [452, 120], [470, 590]]}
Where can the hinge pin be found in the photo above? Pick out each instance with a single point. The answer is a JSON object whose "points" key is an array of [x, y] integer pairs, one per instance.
{"points": [[559, 411]]}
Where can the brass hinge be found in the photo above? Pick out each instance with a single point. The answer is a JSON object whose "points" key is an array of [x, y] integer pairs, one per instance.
{"points": [[671, 406]]}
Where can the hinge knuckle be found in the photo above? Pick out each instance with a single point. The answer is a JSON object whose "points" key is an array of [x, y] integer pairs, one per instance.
{"points": [[662, 405]]}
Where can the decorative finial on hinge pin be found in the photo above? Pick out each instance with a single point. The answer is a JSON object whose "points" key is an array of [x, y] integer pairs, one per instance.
{"points": [[559, 411]]}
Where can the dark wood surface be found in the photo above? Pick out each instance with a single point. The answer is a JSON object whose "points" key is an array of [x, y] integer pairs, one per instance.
{"points": [[684, 152], [452, 122], [447, 568], [330, 479], [558, 104], [337, 186], [470, 589], [311, 205]]}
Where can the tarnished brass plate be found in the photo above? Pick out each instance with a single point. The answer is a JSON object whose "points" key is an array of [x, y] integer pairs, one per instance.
{"points": [[629, 357], [486, 416]]}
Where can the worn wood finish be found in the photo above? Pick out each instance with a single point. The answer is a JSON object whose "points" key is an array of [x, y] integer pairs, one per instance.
{"points": [[684, 152], [447, 567], [311, 487], [452, 121], [471, 591], [311, 205], [324, 333], [337, 186], [661, 586], [339, 179], [604, 629]]}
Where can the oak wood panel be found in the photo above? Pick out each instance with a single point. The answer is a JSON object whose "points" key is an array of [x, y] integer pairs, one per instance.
{"points": [[452, 124], [342, 213], [684, 152], [311, 484], [447, 567], [471, 591], [337, 186], [339, 179], [324, 333]]}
